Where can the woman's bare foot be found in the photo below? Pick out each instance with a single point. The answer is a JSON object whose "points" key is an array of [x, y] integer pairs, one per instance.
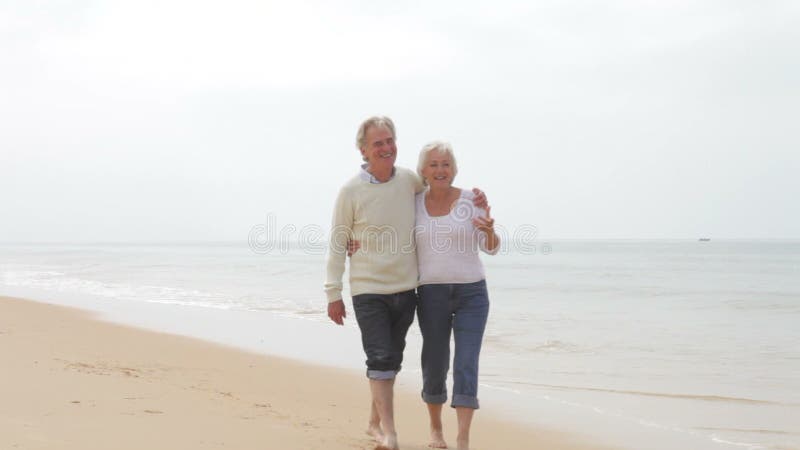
{"points": [[437, 439], [375, 431], [462, 442], [389, 442]]}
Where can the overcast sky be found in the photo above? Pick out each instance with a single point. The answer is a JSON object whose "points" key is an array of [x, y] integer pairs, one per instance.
{"points": [[190, 120]]}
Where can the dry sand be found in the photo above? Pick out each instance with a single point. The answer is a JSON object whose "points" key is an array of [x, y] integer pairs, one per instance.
{"points": [[69, 381]]}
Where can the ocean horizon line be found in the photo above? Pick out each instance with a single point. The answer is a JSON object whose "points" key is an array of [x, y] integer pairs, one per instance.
{"points": [[244, 242]]}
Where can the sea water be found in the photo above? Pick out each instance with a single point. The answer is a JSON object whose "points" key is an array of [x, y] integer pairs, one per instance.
{"points": [[638, 344]]}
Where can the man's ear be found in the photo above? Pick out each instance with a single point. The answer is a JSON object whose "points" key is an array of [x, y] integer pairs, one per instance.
{"points": [[363, 154]]}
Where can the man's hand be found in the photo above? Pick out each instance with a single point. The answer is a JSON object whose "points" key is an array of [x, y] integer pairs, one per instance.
{"points": [[336, 312], [480, 199], [353, 246]]}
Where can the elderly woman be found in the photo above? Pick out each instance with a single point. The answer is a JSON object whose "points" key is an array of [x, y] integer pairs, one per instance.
{"points": [[452, 288]]}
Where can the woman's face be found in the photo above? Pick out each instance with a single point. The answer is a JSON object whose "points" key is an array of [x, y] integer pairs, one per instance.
{"points": [[438, 169]]}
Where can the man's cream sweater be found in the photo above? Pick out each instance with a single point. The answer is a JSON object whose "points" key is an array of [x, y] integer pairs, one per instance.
{"points": [[381, 217]]}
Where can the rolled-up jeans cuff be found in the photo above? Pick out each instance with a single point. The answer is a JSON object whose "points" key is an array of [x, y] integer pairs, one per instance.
{"points": [[436, 399], [465, 401], [381, 374]]}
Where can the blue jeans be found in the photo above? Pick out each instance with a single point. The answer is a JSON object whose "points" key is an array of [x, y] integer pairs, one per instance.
{"points": [[462, 308], [384, 320]]}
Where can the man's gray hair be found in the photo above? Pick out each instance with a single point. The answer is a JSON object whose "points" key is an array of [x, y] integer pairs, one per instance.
{"points": [[439, 146], [374, 121]]}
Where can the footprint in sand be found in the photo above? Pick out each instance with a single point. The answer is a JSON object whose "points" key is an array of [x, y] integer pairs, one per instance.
{"points": [[153, 411]]}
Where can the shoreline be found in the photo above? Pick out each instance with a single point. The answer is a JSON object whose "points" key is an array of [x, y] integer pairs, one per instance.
{"points": [[74, 380]]}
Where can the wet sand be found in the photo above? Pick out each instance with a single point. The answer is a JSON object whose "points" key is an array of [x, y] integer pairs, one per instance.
{"points": [[71, 381]]}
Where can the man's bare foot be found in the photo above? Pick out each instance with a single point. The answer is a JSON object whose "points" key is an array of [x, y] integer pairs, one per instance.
{"points": [[463, 443], [437, 439], [389, 442], [375, 431]]}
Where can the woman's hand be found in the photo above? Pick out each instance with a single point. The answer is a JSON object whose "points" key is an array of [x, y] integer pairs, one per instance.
{"points": [[485, 224]]}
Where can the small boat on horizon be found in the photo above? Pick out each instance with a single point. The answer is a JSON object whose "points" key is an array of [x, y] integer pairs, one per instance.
{"points": [[704, 239]]}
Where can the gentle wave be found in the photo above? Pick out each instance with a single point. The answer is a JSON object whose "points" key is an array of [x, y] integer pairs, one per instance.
{"points": [[57, 281], [511, 342], [634, 419], [748, 445], [748, 430], [189, 303], [708, 398], [166, 295]]}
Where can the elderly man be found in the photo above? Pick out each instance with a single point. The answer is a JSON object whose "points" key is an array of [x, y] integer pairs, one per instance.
{"points": [[376, 208]]}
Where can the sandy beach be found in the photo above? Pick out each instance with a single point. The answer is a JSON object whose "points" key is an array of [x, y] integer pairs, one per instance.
{"points": [[71, 381]]}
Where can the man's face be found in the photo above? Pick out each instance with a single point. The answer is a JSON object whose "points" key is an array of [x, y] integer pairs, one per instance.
{"points": [[380, 151]]}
